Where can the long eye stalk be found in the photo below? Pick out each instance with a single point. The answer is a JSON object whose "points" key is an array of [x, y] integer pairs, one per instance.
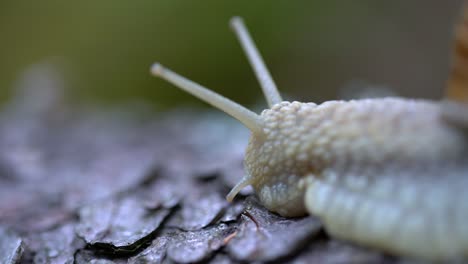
{"points": [[250, 119], [263, 75]]}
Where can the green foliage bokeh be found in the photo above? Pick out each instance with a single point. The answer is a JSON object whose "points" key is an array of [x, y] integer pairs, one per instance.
{"points": [[312, 47]]}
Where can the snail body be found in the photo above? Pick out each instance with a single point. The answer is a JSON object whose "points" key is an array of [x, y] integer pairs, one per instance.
{"points": [[388, 173]]}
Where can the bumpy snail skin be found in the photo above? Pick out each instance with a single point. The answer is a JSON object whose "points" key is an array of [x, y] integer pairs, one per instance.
{"points": [[388, 173]]}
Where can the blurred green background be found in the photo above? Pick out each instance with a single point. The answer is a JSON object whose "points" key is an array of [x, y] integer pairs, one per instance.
{"points": [[313, 48]]}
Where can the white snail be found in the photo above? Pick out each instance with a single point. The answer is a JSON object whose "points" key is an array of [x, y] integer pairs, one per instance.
{"points": [[387, 173]]}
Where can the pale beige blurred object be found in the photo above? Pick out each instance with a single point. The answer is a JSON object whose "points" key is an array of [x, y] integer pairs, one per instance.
{"points": [[457, 86]]}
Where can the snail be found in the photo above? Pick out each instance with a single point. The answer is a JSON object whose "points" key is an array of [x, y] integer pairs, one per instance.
{"points": [[388, 173]]}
